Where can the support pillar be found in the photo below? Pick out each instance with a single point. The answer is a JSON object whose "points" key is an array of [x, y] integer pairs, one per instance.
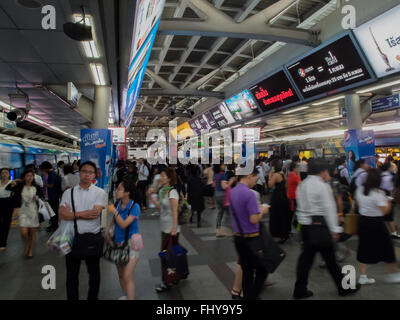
{"points": [[359, 144], [102, 102]]}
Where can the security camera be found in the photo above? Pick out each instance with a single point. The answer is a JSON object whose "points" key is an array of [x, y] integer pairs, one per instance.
{"points": [[191, 113], [171, 111], [17, 115], [78, 31]]}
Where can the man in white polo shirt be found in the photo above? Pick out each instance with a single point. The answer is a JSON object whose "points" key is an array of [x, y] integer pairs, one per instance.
{"points": [[89, 202]]}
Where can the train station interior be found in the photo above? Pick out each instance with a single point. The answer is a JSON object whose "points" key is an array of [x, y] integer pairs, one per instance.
{"points": [[307, 78]]}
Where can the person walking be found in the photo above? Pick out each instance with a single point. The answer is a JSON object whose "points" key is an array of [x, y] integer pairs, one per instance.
{"points": [[293, 182], [220, 184], [195, 194], [303, 168], [279, 211], [69, 179], [38, 178], [317, 214], [208, 175], [53, 187], [246, 215], [126, 216], [60, 168], [375, 244], [142, 183], [6, 207], [26, 194], [89, 201], [168, 207]]}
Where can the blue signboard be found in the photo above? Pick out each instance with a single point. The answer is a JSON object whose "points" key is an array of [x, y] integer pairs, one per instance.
{"points": [[96, 145], [136, 73], [386, 103], [359, 145]]}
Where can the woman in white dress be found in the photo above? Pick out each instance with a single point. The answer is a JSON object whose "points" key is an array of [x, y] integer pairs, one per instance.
{"points": [[26, 193]]}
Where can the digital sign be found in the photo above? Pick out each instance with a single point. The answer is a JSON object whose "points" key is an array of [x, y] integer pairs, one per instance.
{"points": [[222, 115], [333, 67], [274, 92], [242, 106], [380, 40]]}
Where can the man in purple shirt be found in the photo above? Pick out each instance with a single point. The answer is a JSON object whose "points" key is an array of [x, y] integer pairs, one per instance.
{"points": [[245, 210]]}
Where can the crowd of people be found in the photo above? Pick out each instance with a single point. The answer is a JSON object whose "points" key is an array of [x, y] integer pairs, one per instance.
{"points": [[303, 194]]}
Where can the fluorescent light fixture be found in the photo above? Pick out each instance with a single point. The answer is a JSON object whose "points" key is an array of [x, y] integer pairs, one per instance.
{"points": [[295, 110], [329, 100], [5, 105], [89, 46], [254, 121], [98, 74], [237, 126], [382, 86], [37, 120]]}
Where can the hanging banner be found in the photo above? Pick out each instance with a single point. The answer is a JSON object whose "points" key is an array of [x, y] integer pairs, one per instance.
{"points": [[359, 145]]}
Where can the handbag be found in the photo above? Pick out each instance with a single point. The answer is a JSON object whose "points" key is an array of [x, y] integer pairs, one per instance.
{"points": [[268, 253], [118, 254], [351, 223], [85, 244], [137, 242]]}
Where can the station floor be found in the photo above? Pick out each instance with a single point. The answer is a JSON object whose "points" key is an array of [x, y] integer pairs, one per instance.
{"points": [[212, 263]]}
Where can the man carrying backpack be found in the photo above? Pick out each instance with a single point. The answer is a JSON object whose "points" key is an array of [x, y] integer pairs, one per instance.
{"points": [[54, 192]]}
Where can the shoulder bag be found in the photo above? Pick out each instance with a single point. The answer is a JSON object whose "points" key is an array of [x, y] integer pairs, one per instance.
{"points": [[267, 251], [85, 244], [118, 254]]}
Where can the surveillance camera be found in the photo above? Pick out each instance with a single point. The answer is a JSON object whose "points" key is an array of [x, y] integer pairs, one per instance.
{"points": [[17, 115], [171, 111]]}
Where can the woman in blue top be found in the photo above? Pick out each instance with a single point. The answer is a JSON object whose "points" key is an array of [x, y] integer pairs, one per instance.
{"points": [[126, 215]]}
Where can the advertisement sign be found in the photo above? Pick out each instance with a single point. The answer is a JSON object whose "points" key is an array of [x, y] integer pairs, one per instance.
{"points": [[386, 103], [222, 115], [248, 134], [274, 92], [332, 67], [136, 74], [242, 106], [380, 40], [118, 135], [148, 12], [96, 146], [183, 131], [359, 145]]}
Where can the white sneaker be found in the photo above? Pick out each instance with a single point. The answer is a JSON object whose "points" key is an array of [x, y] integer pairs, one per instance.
{"points": [[393, 277], [366, 280], [123, 298]]}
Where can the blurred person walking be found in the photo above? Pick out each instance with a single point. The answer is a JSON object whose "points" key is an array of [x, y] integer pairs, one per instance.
{"points": [[375, 244], [143, 178], [208, 175], [220, 184], [292, 183], [317, 214], [69, 179], [195, 194]]}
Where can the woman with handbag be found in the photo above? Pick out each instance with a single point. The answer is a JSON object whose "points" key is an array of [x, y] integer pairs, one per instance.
{"points": [[375, 244], [168, 207], [125, 225], [7, 207], [26, 193]]}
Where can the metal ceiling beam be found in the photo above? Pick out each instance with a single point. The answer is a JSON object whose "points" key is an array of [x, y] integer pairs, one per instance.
{"points": [[181, 93], [219, 24], [160, 114], [191, 65]]}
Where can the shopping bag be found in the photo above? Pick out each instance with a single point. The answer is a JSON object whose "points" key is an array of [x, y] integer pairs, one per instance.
{"points": [[45, 210], [169, 264], [182, 266], [61, 240], [351, 223]]}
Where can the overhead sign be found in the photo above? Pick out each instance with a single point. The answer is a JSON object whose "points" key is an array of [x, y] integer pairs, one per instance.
{"points": [[330, 68], [148, 12], [380, 40], [182, 132], [222, 115], [248, 134], [136, 74], [242, 106], [386, 103], [118, 135], [274, 92]]}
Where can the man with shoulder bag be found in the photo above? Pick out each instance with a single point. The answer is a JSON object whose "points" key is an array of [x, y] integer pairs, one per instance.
{"points": [[317, 214], [83, 205]]}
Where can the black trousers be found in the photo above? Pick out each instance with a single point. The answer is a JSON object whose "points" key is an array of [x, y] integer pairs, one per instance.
{"points": [[6, 211], [54, 204], [142, 193], [254, 274], [306, 260], [73, 267]]}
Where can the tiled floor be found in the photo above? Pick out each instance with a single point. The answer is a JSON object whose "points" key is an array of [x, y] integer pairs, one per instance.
{"points": [[212, 265]]}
